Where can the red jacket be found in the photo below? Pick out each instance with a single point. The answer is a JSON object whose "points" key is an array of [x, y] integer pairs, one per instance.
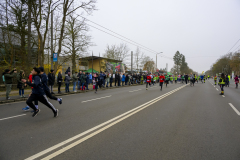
{"points": [[161, 78], [30, 79], [149, 79]]}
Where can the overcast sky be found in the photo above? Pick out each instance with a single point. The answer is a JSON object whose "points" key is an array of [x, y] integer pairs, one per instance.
{"points": [[202, 30]]}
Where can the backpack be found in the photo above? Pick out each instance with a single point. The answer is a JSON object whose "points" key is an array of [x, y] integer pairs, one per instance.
{"points": [[3, 78]]}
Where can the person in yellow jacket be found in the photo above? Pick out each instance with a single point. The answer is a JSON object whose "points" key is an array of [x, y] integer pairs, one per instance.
{"points": [[215, 80], [222, 81], [175, 78]]}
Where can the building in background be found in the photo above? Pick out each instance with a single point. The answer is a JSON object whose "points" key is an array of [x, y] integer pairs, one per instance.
{"points": [[101, 64]]}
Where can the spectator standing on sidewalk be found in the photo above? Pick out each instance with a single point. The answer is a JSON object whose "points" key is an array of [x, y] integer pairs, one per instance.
{"points": [[111, 79], [51, 80], [107, 79], [79, 79], [104, 79], [123, 79], [67, 82], [116, 78], [20, 84], [87, 81], [59, 81], [8, 75], [75, 79], [126, 80], [83, 79], [90, 78]]}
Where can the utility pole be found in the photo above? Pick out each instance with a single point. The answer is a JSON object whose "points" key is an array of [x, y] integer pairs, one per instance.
{"points": [[156, 58], [99, 63], [156, 61], [52, 40], [131, 62], [92, 63]]}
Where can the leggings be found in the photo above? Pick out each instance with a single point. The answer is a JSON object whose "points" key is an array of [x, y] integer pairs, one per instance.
{"points": [[161, 84], [148, 83], [42, 98], [221, 86]]}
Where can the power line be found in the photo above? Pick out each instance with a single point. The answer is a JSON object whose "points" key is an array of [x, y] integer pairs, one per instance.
{"points": [[118, 34], [233, 46], [128, 41]]}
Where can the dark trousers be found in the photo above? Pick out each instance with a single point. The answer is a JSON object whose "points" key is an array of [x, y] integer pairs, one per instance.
{"points": [[161, 84], [110, 83], [186, 81], [115, 82], [59, 87], [49, 95], [66, 87], [42, 98], [119, 84], [148, 83]]}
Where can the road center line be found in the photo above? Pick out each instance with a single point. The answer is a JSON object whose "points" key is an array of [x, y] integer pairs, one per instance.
{"points": [[238, 113], [96, 99], [12, 117], [92, 129], [100, 130]]}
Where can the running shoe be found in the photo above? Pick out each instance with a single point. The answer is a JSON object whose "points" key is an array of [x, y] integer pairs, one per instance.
{"points": [[26, 108], [56, 113], [36, 112], [60, 102]]}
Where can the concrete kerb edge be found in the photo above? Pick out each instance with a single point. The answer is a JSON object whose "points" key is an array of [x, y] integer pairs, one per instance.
{"points": [[24, 99]]}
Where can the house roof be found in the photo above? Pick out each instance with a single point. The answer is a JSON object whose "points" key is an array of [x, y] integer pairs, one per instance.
{"points": [[97, 57]]}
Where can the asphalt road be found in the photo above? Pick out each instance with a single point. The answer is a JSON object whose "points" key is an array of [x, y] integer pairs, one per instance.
{"points": [[178, 123]]}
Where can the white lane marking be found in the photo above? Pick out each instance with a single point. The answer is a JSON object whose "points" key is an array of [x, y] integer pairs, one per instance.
{"points": [[216, 89], [135, 90], [223, 95], [100, 130], [238, 113], [12, 117], [88, 131], [95, 99]]}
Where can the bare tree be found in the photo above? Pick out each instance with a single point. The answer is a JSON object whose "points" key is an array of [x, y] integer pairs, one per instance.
{"points": [[120, 52], [77, 40], [67, 9]]}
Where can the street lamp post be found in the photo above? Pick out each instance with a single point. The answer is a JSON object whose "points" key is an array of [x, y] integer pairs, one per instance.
{"points": [[156, 58]]}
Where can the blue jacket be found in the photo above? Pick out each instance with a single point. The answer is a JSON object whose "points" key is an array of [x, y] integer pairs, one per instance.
{"points": [[37, 85], [90, 76], [123, 78], [87, 79], [101, 76], [44, 82]]}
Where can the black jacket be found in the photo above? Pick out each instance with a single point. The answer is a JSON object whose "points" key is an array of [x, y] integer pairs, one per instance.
{"points": [[44, 82], [186, 77], [59, 78], [37, 85], [51, 79]]}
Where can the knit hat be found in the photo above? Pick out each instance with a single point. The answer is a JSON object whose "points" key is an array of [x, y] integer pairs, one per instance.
{"points": [[7, 70], [41, 69]]}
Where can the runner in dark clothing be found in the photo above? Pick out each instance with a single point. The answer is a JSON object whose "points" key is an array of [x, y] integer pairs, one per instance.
{"points": [[45, 87], [38, 93]]}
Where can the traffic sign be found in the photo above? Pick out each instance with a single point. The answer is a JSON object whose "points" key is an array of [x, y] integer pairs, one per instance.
{"points": [[55, 57]]}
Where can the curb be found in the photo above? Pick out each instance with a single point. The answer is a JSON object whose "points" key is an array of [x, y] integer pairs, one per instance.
{"points": [[62, 94]]}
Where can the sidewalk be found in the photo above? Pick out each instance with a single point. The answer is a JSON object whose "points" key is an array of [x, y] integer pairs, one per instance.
{"points": [[14, 95]]}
